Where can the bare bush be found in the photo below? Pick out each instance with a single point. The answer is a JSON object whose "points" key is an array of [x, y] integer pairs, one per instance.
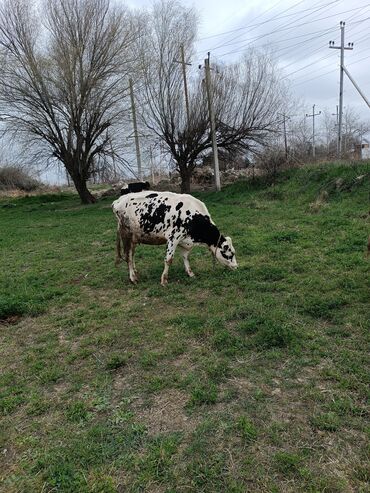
{"points": [[13, 178], [271, 162]]}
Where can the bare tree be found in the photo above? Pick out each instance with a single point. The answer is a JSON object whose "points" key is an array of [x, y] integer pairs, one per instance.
{"points": [[300, 138], [353, 129], [330, 131], [246, 96], [61, 87]]}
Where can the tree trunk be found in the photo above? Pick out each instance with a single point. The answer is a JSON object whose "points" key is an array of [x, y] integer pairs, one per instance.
{"points": [[82, 190], [185, 183], [185, 174]]}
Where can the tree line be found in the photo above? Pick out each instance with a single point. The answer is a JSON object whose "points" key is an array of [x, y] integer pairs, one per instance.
{"points": [[64, 86]]}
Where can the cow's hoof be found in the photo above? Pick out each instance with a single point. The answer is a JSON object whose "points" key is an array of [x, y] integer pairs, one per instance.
{"points": [[191, 273], [164, 281], [134, 280]]}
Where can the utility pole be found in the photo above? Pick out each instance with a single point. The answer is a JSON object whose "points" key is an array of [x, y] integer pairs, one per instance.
{"points": [[341, 48], [183, 64], [285, 118], [136, 135], [313, 128], [213, 124]]}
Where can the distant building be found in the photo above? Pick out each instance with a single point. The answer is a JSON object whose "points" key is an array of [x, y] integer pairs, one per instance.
{"points": [[362, 150]]}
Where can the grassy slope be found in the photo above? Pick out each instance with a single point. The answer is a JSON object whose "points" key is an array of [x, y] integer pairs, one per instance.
{"points": [[253, 380]]}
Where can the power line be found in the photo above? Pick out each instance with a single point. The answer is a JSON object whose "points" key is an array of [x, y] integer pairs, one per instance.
{"points": [[249, 25], [314, 8], [286, 28]]}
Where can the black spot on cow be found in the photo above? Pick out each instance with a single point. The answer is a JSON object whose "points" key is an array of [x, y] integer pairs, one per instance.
{"points": [[201, 230], [179, 222], [153, 216], [151, 196], [188, 213], [226, 253], [179, 205]]}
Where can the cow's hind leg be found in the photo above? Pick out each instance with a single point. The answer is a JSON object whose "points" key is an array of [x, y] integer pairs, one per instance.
{"points": [[130, 260], [171, 247], [185, 255]]}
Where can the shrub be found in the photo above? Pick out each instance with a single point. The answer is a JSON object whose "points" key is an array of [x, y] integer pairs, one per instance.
{"points": [[272, 162], [13, 178]]}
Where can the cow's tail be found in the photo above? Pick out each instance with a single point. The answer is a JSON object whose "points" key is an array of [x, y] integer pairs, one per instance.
{"points": [[118, 246]]}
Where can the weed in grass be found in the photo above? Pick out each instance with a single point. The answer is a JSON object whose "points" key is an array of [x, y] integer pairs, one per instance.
{"points": [[216, 369], [156, 464], [103, 484], [149, 359], [325, 307], [77, 412], [156, 383], [251, 323], [224, 341], [203, 393], [37, 404], [329, 421], [285, 237], [344, 406], [362, 473], [63, 476], [116, 361], [10, 400], [51, 374], [246, 428], [193, 325], [275, 335], [270, 273], [286, 462]]}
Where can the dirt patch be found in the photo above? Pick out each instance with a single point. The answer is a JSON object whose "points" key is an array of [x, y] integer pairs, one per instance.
{"points": [[166, 413], [10, 320]]}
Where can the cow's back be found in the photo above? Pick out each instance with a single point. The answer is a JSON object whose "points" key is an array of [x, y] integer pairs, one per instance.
{"points": [[154, 215]]}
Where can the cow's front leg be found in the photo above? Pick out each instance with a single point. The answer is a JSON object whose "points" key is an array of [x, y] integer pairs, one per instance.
{"points": [[171, 247], [185, 255]]}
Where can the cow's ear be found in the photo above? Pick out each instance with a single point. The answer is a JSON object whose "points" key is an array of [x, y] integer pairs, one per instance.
{"points": [[228, 239]]}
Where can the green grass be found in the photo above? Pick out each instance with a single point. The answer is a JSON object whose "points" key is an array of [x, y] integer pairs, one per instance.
{"points": [[254, 380]]}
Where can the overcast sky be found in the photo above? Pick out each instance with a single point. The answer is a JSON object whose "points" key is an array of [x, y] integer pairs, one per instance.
{"points": [[298, 34]]}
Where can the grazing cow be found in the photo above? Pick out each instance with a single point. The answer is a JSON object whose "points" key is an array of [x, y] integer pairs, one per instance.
{"points": [[138, 186], [179, 220]]}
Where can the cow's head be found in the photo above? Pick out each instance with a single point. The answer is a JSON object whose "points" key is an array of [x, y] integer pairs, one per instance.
{"points": [[225, 253]]}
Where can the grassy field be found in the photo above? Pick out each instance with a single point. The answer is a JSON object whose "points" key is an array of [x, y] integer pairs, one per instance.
{"points": [[234, 382]]}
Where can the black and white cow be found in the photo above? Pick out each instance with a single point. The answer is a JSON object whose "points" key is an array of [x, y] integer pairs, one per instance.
{"points": [[179, 220]]}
